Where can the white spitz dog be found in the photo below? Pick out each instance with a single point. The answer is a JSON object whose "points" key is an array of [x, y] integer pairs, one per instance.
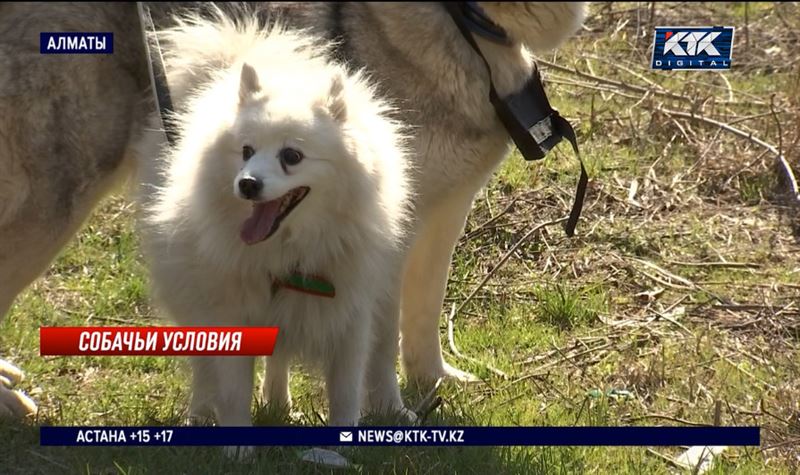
{"points": [[283, 204]]}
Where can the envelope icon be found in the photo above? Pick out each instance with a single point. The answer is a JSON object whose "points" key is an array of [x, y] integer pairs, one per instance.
{"points": [[346, 436]]}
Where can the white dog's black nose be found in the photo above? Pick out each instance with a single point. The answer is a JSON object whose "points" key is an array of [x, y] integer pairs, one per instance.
{"points": [[250, 187]]}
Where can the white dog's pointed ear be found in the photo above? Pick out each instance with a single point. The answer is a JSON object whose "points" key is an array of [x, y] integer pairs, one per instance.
{"points": [[337, 106], [248, 84]]}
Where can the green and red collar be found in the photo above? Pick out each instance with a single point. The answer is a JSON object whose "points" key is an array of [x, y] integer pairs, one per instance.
{"points": [[307, 284]]}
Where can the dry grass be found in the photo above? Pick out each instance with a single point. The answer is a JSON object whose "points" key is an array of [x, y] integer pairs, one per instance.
{"points": [[690, 231]]}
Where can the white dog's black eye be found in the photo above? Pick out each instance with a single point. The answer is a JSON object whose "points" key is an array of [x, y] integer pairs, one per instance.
{"points": [[247, 152], [290, 156]]}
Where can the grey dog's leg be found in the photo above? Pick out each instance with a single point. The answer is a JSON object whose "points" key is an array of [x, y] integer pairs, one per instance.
{"points": [[29, 242], [424, 286], [66, 123], [12, 403]]}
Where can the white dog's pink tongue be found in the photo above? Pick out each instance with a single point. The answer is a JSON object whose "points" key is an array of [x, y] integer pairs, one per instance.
{"points": [[257, 227]]}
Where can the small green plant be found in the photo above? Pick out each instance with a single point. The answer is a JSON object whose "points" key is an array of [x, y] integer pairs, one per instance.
{"points": [[753, 189], [568, 308]]}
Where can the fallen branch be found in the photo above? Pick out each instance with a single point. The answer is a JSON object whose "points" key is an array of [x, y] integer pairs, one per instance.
{"points": [[666, 418], [505, 258], [787, 169], [452, 343], [665, 458], [732, 265], [622, 85], [423, 408], [491, 221], [784, 164]]}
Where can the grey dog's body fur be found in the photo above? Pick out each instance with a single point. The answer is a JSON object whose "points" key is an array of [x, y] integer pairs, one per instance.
{"points": [[65, 126], [440, 86], [68, 122], [53, 111]]}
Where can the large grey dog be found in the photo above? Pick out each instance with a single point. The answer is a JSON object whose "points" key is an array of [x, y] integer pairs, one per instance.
{"points": [[69, 124]]}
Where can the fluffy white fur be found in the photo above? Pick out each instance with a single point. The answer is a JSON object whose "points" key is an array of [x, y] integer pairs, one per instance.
{"points": [[348, 229]]}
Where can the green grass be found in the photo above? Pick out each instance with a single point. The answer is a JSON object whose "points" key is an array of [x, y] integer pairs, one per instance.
{"points": [[568, 320], [567, 308]]}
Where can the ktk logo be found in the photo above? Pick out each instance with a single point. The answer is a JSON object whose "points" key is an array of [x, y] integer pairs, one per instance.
{"points": [[696, 43], [692, 47]]}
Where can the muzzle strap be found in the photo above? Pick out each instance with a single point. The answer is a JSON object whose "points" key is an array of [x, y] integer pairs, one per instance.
{"points": [[531, 122], [565, 129]]}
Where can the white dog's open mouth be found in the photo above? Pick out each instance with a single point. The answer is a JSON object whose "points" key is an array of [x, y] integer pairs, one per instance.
{"points": [[267, 216]]}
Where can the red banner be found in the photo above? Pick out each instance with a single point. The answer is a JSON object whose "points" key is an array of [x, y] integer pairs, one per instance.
{"points": [[157, 341]]}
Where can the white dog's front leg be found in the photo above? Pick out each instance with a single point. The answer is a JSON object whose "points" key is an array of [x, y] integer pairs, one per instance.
{"points": [[204, 385], [275, 389], [234, 396], [383, 391], [424, 287], [344, 377]]}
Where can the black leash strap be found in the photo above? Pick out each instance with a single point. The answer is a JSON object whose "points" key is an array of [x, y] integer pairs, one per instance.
{"points": [[158, 75], [338, 34], [566, 130], [483, 25], [534, 126]]}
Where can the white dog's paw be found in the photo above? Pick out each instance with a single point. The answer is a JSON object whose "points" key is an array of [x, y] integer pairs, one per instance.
{"points": [[241, 453], [13, 403]]}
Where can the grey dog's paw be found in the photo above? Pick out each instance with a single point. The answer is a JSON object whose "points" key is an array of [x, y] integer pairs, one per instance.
{"points": [[425, 373], [459, 375], [11, 374], [13, 403]]}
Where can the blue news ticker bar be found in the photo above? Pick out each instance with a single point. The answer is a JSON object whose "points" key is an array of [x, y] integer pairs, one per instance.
{"points": [[408, 436]]}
